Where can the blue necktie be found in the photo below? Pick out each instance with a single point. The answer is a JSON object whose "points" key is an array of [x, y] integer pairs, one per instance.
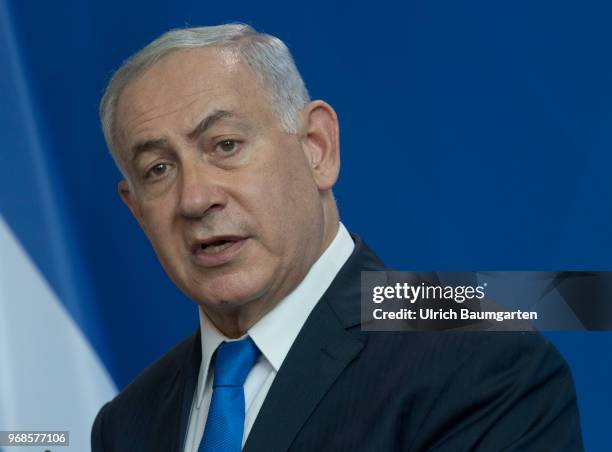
{"points": [[225, 421]]}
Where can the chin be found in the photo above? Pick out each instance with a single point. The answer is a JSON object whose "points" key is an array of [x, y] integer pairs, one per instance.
{"points": [[230, 291]]}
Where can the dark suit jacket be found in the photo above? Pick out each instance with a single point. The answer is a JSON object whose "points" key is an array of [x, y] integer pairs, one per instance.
{"points": [[343, 389]]}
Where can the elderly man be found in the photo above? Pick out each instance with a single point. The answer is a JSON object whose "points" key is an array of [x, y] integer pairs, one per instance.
{"points": [[229, 169]]}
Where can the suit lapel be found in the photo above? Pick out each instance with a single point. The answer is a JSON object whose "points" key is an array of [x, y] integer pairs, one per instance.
{"points": [[170, 424], [318, 356], [187, 387]]}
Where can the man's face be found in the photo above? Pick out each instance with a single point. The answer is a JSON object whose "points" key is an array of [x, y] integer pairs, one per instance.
{"points": [[226, 197]]}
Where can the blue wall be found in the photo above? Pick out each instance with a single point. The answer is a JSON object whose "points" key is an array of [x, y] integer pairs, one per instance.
{"points": [[475, 136]]}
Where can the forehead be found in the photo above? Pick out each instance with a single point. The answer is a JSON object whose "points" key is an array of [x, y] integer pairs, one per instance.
{"points": [[183, 83]]}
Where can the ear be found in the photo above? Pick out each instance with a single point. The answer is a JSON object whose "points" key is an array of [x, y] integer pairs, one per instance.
{"points": [[127, 196], [321, 142]]}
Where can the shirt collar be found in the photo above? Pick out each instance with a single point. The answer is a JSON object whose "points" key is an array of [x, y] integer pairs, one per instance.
{"points": [[276, 331]]}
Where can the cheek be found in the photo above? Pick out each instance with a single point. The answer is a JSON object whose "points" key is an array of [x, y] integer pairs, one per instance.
{"points": [[301, 195], [286, 198], [157, 225]]}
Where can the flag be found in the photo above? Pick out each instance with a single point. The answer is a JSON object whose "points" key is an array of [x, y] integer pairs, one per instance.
{"points": [[53, 374]]}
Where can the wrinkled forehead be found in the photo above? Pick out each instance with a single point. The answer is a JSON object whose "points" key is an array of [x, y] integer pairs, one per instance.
{"points": [[180, 74]]}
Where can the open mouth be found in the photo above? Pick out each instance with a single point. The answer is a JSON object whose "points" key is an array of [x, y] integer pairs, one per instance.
{"points": [[216, 246], [217, 250]]}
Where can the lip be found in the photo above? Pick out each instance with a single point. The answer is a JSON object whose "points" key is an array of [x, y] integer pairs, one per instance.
{"points": [[220, 258]]}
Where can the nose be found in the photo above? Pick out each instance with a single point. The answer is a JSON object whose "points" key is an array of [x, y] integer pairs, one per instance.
{"points": [[200, 191]]}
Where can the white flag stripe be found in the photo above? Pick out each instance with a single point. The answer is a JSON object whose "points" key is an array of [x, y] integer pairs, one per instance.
{"points": [[50, 376]]}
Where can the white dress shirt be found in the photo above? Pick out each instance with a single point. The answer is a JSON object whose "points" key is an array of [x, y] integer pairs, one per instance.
{"points": [[273, 334]]}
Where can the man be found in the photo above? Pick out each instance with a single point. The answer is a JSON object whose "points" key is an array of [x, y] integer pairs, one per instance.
{"points": [[229, 169]]}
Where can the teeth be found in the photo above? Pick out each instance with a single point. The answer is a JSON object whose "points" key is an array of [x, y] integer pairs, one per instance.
{"points": [[211, 249]]}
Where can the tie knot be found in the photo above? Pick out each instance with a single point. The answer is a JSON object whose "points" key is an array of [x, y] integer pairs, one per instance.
{"points": [[234, 362]]}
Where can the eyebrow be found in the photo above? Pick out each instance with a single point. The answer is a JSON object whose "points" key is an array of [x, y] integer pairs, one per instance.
{"points": [[148, 145], [162, 143], [208, 122]]}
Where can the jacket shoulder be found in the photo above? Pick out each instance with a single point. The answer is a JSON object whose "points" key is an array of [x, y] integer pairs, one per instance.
{"points": [[133, 410], [158, 374]]}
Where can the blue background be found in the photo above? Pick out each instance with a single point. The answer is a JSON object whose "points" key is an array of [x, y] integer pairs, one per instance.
{"points": [[475, 136]]}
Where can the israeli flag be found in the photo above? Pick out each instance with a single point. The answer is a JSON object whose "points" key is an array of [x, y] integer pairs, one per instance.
{"points": [[52, 375]]}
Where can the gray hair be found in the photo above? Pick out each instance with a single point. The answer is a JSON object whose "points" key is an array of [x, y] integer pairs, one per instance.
{"points": [[267, 56]]}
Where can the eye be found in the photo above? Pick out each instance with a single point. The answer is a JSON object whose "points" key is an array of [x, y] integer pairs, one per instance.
{"points": [[227, 146], [157, 170]]}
